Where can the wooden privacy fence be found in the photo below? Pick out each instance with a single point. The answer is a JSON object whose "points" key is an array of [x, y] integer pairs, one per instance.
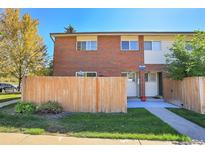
{"points": [[190, 93], [78, 94]]}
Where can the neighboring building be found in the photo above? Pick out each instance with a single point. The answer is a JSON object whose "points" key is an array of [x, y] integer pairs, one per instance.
{"points": [[115, 54]]}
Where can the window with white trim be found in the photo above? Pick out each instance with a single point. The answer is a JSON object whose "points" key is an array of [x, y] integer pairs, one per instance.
{"points": [[152, 45], [87, 45], [86, 74], [130, 75], [150, 77], [129, 45]]}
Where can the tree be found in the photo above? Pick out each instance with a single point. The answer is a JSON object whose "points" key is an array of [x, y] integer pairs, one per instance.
{"points": [[187, 58], [22, 50], [70, 29], [48, 70]]}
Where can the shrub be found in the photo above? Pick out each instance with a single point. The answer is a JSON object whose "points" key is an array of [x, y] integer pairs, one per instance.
{"points": [[50, 107], [25, 108], [187, 58]]}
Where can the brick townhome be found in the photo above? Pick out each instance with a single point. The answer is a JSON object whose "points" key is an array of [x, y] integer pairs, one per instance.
{"points": [[115, 54]]}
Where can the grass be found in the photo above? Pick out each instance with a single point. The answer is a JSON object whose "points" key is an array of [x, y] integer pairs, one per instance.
{"points": [[162, 137], [34, 131], [8, 97], [136, 124], [190, 115]]}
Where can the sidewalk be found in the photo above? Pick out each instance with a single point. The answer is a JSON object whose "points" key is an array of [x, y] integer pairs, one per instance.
{"points": [[22, 139], [152, 103], [9, 102], [180, 124]]}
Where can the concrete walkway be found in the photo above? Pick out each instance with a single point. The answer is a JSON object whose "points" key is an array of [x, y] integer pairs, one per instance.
{"points": [[8, 103], [25, 139], [180, 124], [153, 103]]}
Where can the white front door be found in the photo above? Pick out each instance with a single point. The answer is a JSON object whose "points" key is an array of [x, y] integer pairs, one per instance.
{"points": [[132, 83], [151, 86]]}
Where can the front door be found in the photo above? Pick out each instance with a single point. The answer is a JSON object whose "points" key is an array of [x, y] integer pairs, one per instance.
{"points": [[132, 83], [151, 86], [160, 86]]}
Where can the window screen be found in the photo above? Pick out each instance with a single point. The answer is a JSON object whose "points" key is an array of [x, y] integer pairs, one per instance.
{"points": [[86, 74], [125, 45], [87, 45], [134, 45], [148, 45], [156, 45], [150, 77], [91, 74]]}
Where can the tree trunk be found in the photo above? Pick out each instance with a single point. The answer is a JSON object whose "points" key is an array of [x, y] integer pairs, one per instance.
{"points": [[19, 83]]}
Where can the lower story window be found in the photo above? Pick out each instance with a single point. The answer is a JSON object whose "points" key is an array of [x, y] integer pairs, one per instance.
{"points": [[86, 74], [130, 75], [150, 77]]}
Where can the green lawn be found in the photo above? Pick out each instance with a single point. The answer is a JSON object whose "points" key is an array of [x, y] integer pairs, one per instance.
{"points": [[136, 124], [7, 97], [190, 115]]}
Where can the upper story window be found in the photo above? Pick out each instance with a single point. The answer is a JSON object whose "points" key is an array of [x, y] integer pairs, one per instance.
{"points": [[87, 45], [152, 45], [86, 74], [129, 45]]}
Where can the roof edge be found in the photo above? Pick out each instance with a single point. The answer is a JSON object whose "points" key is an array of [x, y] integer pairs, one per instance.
{"points": [[124, 33]]}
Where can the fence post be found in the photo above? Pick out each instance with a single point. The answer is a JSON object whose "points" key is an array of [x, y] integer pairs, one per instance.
{"points": [[201, 96], [23, 88], [97, 94]]}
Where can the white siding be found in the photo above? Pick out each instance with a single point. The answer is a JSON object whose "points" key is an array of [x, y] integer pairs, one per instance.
{"points": [[157, 57]]}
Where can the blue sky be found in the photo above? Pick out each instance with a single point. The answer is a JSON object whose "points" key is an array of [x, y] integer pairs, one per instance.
{"points": [[54, 20]]}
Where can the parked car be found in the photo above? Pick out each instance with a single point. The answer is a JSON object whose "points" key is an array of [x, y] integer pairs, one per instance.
{"points": [[16, 86], [7, 88]]}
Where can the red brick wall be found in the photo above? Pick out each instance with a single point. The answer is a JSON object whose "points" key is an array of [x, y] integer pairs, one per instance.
{"points": [[155, 67], [108, 60]]}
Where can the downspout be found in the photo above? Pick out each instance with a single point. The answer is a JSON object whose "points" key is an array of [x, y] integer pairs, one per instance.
{"points": [[53, 51]]}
